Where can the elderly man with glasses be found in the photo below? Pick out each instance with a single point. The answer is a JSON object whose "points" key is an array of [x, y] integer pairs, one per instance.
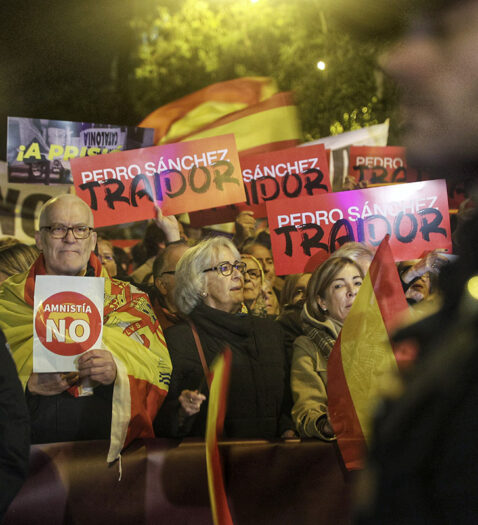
{"points": [[131, 370]]}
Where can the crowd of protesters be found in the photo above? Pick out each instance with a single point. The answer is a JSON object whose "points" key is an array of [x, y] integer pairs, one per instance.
{"points": [[216, 291], [281, 331]]}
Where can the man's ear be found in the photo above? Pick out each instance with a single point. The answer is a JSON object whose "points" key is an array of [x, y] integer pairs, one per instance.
{"points": [[38, 240], [158, 282], [93, 239]]}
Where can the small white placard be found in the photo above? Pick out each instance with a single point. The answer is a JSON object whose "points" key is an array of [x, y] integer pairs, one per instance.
{"points": [[67, 320]]}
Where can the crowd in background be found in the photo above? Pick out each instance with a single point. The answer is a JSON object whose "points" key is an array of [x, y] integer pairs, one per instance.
{"points": [[281, 329], [210, 291]]}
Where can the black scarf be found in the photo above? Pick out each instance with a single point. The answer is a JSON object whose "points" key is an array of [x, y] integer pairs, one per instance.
{"points": [[224, 329]]}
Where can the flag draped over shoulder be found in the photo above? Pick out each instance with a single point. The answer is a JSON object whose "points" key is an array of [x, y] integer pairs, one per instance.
{"points": [[131, 333], [261, 118], [363, 359], [220, 369]]}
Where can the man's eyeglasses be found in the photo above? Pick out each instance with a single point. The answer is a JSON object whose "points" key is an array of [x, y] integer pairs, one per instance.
{"points": [[253, 274], [60, 231], [225, 268], [167, 272]]}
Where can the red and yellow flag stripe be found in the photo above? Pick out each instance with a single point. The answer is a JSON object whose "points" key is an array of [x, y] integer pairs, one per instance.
{"points": [[363, 359]]}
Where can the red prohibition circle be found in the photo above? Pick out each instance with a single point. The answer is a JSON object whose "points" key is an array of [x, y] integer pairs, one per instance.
{"points": [[68, 323]]}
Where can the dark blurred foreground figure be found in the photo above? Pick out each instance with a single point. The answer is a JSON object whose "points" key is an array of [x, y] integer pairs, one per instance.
{"points": [[14, 430], [422, 465]]}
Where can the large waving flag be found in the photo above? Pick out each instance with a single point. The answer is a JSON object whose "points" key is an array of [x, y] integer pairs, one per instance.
{"points": [[261, 118], [220, 369], [363, 358]]}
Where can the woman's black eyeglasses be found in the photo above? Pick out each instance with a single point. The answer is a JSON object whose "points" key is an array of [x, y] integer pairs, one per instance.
{"points": [[225, 268]]}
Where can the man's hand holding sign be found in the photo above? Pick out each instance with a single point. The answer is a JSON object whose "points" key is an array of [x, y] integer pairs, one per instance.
{"points": [[97, 365]]}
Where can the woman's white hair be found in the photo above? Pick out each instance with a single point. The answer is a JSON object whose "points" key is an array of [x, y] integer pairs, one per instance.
{"points": [[190, 276]]}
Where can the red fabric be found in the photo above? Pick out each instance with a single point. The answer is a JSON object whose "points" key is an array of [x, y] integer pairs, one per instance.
{"points": [[342, 414], [391, 303], [387, 286], [217, 490], [141, 423], [245, 90]]}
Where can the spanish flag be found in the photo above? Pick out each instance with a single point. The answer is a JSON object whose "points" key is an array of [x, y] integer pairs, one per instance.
{"points": [[362, 360], [220, 369], [261, 118]]}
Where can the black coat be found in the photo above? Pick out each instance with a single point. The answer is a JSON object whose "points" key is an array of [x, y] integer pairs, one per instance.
{"points": [[259, 399], [14, 430], [424, 453]]}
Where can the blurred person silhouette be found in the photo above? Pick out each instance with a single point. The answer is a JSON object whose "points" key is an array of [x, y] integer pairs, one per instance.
{"points": [[422, 466], [164, 284], [14, 430]]}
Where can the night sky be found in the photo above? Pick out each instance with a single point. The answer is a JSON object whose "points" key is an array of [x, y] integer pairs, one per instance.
{"points": [[66, 60]]}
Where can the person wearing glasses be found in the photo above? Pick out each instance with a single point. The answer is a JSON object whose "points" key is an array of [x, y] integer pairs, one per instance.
{"points": [[106, 256], [132, 353], [162, 292], [253, 283], [210, 292]]}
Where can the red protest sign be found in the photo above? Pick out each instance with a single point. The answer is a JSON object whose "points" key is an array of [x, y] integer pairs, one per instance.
{"points": [[275, 175], [305, 231], [284, 174], [179, 178], [379, 165]]}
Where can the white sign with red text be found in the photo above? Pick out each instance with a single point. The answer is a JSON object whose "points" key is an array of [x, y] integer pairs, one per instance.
{"points": [[67, 320]]}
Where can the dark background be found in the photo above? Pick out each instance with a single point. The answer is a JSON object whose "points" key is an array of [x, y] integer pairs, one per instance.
{"points": [[67, 60]]}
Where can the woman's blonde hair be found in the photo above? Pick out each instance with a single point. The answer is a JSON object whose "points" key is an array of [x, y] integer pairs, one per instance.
{"points": [[16, 257]]}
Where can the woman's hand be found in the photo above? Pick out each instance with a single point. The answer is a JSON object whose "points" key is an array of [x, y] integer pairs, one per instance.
{"points": [[191, 401]]}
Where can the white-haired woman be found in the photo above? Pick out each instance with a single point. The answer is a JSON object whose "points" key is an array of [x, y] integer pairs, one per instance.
{"points": [[330, 294], [209, 291]]}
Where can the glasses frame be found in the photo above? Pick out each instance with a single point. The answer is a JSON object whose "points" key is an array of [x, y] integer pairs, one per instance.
{"points": [[232, 266], [167, 272], [104, 258], [68, 228], [258, 276]]}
